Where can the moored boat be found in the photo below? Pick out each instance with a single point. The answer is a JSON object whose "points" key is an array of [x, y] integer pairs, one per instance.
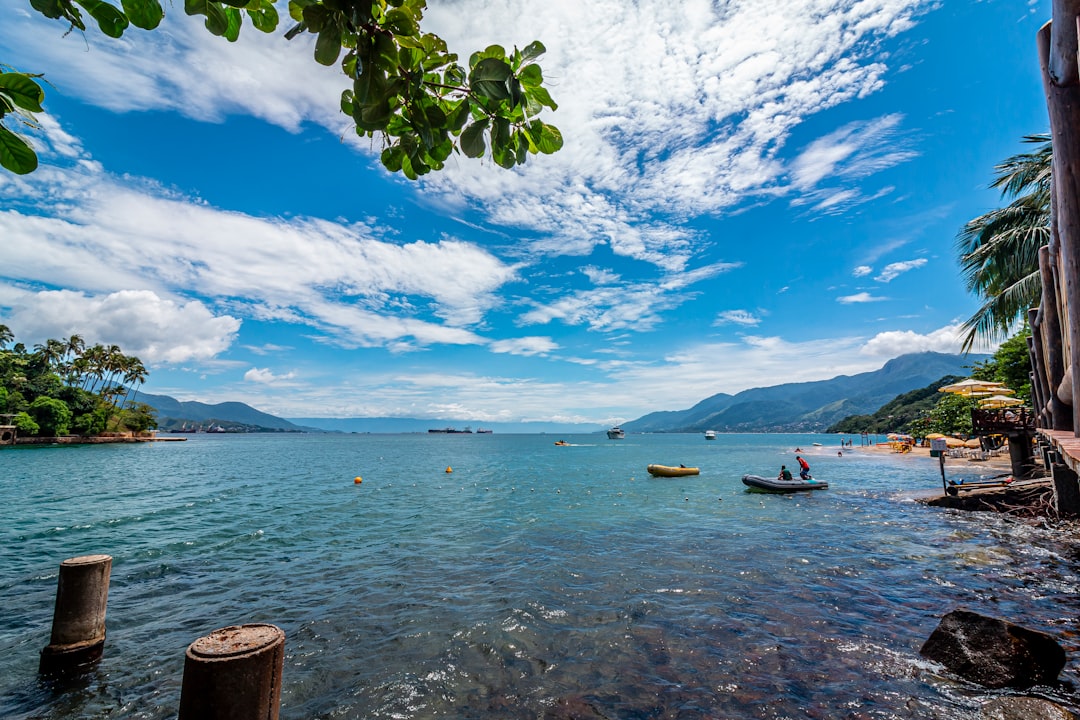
{"points": [[669, 471], [616, 433], [757, 483], [710, 434]]}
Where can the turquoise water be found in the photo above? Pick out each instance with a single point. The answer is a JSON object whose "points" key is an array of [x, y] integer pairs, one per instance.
{"points": [[533, 581]]}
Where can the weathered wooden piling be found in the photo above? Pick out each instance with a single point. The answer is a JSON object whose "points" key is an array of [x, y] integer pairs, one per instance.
{"points": [[234, 673], [78, 629]]}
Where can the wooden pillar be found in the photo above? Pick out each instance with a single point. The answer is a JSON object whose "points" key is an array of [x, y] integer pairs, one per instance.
{"points": [[1039, 385], [78, 629], [1053, 351], [1066, 491], [1021, 455], [234, 674], [1061, 82]]}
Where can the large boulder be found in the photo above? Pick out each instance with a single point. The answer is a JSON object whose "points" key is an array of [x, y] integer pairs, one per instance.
{"points": [[1024, 708], [994, 653]]}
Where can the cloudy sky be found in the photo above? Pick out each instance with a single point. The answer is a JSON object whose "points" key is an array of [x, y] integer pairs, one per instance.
{"points": [[751, 192]]}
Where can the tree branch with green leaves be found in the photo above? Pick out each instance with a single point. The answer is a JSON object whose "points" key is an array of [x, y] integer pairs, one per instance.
{"points": [[404, 85]]}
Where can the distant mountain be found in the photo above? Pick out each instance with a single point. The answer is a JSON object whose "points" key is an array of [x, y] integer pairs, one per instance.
{"points": [[808, 406], [410, 425], [175, 413]]}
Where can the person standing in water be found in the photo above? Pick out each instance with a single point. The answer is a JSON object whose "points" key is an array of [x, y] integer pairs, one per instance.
{"points": [[804, 468]]}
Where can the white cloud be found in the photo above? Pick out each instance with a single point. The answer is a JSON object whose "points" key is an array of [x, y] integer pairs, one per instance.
{"points": [[264, 376], [862, 270], [525, 346], [343, 279], [630, 306], [862, 297], [155, 329], [892, 270], [738, 317], [668, 109], [947, 339]]}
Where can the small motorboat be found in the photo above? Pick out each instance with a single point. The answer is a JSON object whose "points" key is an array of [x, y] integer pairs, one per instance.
{"points": [[710, 434], [756, 483], [669, 471], [616, 433], [561, 443]]}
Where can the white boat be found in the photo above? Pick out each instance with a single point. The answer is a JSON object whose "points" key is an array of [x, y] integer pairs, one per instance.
{"points": [[710, 434], [616, 433]]}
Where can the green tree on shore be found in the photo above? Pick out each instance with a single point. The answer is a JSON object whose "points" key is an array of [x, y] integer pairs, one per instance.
{"points": [[47, 389], [403, 85], [999, 251]]}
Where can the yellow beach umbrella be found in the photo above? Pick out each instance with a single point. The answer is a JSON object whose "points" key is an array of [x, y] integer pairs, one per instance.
{"points": [[999, 401], [934, 436], [972, 387]]}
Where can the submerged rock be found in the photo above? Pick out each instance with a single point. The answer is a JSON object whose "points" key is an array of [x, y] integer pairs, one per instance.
{"points": [[994, 653], [1024, 708]]}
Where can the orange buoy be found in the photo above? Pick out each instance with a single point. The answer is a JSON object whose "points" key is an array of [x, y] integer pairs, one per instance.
{"points": [[449, 469], [358, 480]]}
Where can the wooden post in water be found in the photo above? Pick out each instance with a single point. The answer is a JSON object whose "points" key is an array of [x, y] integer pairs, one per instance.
{"points": [[1050, 332], [234, 674], [1057, 43], [78, 629], [1066, 491]]}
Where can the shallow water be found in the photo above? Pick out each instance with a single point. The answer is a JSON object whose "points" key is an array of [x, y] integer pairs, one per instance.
{"points": [[532, 581]]}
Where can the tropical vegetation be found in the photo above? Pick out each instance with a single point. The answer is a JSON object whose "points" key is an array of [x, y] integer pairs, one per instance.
{"points": [[897, 414], [403, 85], [999, 251], [64, 387]]}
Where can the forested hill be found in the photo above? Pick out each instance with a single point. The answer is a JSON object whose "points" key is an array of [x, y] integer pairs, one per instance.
{"points": [[895, 415], [173, 413], [809, 406]]}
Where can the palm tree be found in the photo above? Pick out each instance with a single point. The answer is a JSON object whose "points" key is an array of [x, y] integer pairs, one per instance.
{"points": [[999, 251]]}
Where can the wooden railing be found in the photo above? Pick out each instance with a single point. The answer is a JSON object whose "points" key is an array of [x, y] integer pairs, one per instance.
{"points": [[1008, 420]]}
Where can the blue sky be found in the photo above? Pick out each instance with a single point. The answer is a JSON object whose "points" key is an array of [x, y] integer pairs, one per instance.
{"points": [[751, 192]]}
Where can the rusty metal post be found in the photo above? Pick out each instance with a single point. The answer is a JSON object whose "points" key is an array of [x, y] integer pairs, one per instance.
{"points": [[234, 674], [78, 629]]}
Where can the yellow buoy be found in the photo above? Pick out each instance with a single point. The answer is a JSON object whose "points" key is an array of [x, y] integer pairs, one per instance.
{"points": [[449, 469], [358, 480]]}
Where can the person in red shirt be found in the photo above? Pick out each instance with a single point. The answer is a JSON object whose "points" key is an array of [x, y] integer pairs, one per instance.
{"points": [[804, 468]]}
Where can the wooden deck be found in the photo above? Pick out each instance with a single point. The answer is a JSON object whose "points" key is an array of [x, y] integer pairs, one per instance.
{"points": [[1066, 444]]}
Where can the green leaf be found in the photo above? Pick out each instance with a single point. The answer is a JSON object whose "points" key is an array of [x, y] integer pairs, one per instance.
{"points": [[531, 76], [235, 20], [315, 17], [391, 158], [16, 154], [145, 14], [23, 91], [48, 8], [541, 96], [347, 105], [532, 51], [456, 118], [400, 22], [216, 22], [296, 8], [328, 46], [111, 21], [264, 17], [472, 139], [550, 139], [489, 79]]}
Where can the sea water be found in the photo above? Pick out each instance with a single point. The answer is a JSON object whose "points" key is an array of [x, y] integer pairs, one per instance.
{"points": [[502, 576]]}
